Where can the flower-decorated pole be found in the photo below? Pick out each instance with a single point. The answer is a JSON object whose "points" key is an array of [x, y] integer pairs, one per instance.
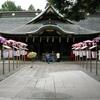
{"points": [[12, 43], [2, 41], [8, 48], [17, 54], [88, 52], [77, 47], [97, 40], [92, 54], [22, 46], [83, 48]]}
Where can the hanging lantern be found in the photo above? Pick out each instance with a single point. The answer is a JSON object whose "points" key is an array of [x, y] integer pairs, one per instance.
{"points": [[52, 39], [59, 39]]}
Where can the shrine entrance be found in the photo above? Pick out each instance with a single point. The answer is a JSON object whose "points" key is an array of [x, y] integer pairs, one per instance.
{"points": [[52, 42]]}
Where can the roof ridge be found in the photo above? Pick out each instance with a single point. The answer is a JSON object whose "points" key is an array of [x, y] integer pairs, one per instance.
{"points": [[50, 7]]}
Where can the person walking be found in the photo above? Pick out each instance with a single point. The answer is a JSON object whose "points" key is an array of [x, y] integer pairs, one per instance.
{"points": [[47, 58]]}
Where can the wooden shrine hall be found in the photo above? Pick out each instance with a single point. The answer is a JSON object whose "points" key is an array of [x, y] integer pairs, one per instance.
{"points": [[49, 31]]}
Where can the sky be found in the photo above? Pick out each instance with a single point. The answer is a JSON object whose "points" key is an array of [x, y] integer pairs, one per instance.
{"points": [[25, 3]]}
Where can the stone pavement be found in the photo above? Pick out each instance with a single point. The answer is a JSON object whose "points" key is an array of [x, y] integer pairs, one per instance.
{"points": [[55, 81], [8, 70]]}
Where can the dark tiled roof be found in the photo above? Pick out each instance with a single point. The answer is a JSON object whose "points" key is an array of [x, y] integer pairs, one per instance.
{"points": [[24, 29], [92, 22], [18, 25], [12, 14], [77, 29], [9, 24], [63, 28]]}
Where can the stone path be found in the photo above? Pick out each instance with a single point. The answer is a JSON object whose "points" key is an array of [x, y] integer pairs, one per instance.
{"points": [[55, 81]]}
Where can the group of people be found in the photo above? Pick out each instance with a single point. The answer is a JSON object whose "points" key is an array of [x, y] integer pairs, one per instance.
{"points": [[52, 58]]}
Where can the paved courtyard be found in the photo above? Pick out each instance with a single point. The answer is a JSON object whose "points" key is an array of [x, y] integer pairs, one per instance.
{"points": [[55, 81]]}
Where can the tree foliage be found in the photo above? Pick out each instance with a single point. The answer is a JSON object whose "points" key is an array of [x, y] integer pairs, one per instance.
{"points": [[10, 6], [38, 11], [98, 8], [75, 9], [31, 8]]}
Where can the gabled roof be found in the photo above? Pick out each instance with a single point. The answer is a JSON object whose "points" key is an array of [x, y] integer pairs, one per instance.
{"points": [[50, 9], [34, 26]]}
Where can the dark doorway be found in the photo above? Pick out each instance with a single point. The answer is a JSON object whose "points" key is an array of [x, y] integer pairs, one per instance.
{"points": [[52, 41], [50, 45]]}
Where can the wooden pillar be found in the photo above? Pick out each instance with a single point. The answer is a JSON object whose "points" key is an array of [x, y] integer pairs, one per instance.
{"points": [[33, 39], [73, 39], [52, 39], [40, 39], [59, 39], [67, 39], [26, 39], [47, 38]]}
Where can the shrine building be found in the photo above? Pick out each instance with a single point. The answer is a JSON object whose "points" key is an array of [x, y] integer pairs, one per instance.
{"points": [[49, 31]]}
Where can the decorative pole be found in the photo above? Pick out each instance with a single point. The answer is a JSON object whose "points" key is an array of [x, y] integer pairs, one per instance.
{"points": [[17, 59], [3, 60], [90, 60], [2, 41], [8, 48], [13, 58], [91, 49], [9, 59], [97, 60]]}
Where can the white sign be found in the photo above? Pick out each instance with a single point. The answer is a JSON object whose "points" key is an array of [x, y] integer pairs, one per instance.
{"points": [[18, 53], [88, 54], [99, 54], [10, 54], [93, 54], [5, 53]]}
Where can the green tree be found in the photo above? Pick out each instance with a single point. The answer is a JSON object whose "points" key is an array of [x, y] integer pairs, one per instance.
{"points": [[31, 8], [75, 9], [38, 11], [10, 6], [19, 8], [98, 8]]}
